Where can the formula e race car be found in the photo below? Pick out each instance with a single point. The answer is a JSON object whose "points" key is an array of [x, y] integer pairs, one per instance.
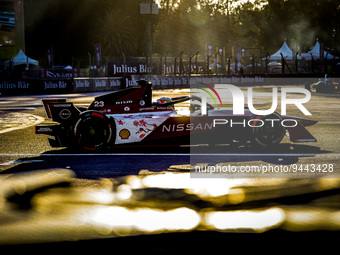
{"points": [[128, 117], [322, 87]]}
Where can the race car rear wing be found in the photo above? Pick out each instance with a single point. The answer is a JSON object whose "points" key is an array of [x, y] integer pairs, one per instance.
{"points": [[47, 107], [60, 110]]}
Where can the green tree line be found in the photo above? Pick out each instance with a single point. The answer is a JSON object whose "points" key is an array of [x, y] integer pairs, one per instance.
{"points": [[72, 27]]}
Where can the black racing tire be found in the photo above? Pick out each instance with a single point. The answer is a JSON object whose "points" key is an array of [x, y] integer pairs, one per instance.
{"points": [[92, 131], [271, 133]]}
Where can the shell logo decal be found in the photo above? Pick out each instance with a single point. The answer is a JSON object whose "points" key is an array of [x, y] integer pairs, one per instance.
{"points": [[132, 128], [124, 133]]}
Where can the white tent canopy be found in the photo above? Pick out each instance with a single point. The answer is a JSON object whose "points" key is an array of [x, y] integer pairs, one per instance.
{"points": [[286, 52], [21, 59], [316, 51]]}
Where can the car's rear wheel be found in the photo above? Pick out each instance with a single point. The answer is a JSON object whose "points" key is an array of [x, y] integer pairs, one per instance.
{"points": [[92, 131], [267, 130]]}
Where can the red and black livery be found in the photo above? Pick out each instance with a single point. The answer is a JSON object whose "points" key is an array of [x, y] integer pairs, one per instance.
{"points": [[129, 118]]}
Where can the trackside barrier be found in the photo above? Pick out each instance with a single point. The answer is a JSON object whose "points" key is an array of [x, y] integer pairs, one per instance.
{"points": [[116, 83], [97, 84], [22, 86], [160, 81], [36, 86]]}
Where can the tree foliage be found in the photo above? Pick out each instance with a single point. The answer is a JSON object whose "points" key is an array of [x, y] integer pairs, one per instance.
{"points": [[72, 27], [298, 21], [118, 34]]}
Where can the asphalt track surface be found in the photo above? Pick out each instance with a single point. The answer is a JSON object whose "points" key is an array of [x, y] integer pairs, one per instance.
{"points": [[81, 197], [22, 150]]}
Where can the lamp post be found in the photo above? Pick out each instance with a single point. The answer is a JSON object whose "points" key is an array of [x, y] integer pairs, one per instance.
{"points": [[148, 8], [252, 58], [165, 63], [196, 63], [90, 67], [215, 62], [160, 65], [181, 63], [175, 64], [208, 59], [267, 57], [229, 59], [190, 58]]}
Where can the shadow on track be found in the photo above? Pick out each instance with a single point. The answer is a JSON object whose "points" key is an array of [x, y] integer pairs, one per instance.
{"points": [[130, 161]]}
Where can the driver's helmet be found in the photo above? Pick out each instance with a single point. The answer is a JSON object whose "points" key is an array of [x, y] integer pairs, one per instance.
{"points": [[164, 100]]}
